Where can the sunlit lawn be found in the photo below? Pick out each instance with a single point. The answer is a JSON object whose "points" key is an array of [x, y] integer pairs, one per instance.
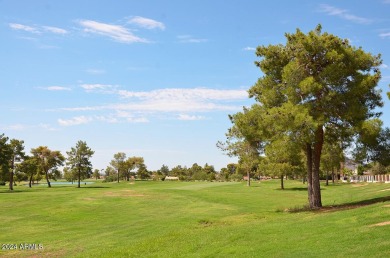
{"points": [[195, 219]]}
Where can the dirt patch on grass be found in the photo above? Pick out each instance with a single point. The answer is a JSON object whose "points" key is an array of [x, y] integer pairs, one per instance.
{"points": [[388, 189], [89, 199], [359, 185], [123, 193], [381, 224]]}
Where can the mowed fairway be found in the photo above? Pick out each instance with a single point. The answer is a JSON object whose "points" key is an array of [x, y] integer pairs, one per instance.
{"points": [[195, 219]]}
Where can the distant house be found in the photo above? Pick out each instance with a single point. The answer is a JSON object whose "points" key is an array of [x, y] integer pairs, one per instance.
{"points": [[350, 165], [171, 178]]}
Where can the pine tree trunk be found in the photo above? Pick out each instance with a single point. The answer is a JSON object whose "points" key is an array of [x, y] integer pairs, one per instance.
{"points": [[316, 168], [309, 165], [332, 175], [281, 183], [78, 186], [11, 179], [327, 181]]}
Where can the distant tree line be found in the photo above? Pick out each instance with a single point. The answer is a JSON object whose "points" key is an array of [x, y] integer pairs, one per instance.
{"points": [[42, 163]]}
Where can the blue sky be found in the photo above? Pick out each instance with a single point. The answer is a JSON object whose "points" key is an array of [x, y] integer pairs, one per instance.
{"points": [[155, 79]]}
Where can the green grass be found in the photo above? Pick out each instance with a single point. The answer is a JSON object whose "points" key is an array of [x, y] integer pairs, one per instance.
{"points": [[195, 219]]}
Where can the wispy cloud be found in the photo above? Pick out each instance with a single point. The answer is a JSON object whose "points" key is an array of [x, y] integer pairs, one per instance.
{"points": [[185, 104], [190, 39], [55, 30], [384, 35], [56, 88], [176, 100], [386, 1], [17, 26], [147, 23], [95, 71], [74, 121], [106, 88], [14, 127], [384, 66], [186, 117], [343, 14], [37, 29], [249, 49], [115, 32]]}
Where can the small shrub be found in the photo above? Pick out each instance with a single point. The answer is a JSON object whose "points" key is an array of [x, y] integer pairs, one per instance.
{"points": [[2, 183]]}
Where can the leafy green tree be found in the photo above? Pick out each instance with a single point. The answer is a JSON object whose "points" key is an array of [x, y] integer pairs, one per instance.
{"points": [[164, 170], [282, 159], [243, 142], [11, 151], [70, 174], [373, 145], [228, 171], [17, 154], [332, 156], [179, 171], [377, 168], [5, 157], [48, 161], [79, 159], [315, 84], [30, 166], [133, 163], [142, 172], [119, 163], [110, 174], [195, 172], [96, 173]]}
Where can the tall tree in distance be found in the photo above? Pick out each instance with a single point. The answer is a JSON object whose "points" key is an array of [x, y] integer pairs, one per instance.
{"points": [[17, 154], [315, 84], [119, 162], [30, 166], [48, 161], [5, 157], [79, 159]]}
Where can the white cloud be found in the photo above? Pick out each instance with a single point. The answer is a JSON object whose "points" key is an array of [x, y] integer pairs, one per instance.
{"points": [[97, 87], [147, 23], [75, 121], [186, 117], [190, 39], [249, 49], [386, 1], [56, 88], [385, 35], [178, 94], [115, 32], [37, 29], [47, 127], [343, 14], [177, 100], [17, 26], [55, 30], [384, 66], [15, 127], [95, 71], [139, 106]]}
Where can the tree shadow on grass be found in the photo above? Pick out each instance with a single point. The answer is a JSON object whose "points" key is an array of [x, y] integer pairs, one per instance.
{"points": [[341, 207], [293, 189]]}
